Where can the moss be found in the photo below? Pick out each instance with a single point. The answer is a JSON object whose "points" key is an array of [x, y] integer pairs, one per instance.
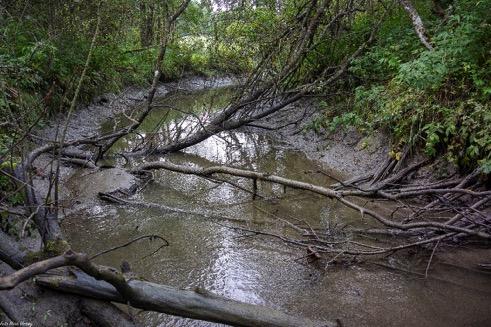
{"points": [[34, 256], [56, 247], [52, 249]]}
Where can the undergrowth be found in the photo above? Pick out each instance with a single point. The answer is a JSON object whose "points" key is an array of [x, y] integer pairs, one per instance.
{"points": [[438, 100]]}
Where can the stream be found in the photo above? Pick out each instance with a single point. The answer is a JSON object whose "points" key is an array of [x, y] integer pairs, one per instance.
{"points": [[208, 253]]}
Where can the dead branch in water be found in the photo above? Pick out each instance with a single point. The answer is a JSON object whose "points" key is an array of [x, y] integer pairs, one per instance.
{"points": [[427, 231], [341, 196], [149, 237]]}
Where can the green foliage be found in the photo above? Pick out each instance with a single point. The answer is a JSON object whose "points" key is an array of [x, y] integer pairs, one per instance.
{"points": [[43, 49], [437, 99], [189, 55], [40, 72], [239, 37], [460, 51], [349, 118]]}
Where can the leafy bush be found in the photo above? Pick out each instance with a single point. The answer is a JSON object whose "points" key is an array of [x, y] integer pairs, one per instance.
{"points": [[437, 99]]}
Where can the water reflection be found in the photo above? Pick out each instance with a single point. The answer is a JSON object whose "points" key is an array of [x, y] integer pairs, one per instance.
{"points": [[253, 269]]}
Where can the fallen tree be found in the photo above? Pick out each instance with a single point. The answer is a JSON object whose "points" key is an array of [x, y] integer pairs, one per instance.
{"points": [[267, 91], [463, 224], [111, 285], [197, 304], [263, 93], [338, 195]]}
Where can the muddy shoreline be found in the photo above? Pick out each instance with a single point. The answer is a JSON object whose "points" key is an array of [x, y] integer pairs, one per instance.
{"points": [[87, 119], [86, 122], [344, 154]]}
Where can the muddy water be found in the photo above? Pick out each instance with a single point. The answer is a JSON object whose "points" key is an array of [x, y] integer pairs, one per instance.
{"points": [[207, 253]]}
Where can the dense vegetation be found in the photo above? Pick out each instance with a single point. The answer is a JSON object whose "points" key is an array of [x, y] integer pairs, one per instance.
{"points": [[435, 99], [419, 72], [438, 99]]}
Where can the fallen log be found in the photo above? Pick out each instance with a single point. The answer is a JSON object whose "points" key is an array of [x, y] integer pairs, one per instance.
{"points": [[17, 304], [198, 304], [65, 309], [10, 253], [105, 314]]}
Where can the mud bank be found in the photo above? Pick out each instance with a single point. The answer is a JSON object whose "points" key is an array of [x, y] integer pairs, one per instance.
{"points": [[344, 153], [86, 122], [258, 270], [87, 119]]}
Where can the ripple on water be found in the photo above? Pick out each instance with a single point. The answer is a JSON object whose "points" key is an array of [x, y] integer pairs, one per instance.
{"points": [[254, 269]]}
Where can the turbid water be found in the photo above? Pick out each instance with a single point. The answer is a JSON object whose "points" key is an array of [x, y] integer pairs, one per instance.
{"points": [[208, 253]]}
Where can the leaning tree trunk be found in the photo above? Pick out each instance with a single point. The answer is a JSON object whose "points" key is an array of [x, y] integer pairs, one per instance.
{"points": [[417, 23]]}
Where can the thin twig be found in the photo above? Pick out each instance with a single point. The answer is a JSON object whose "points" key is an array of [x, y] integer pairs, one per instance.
{"points": [[150, 237]]}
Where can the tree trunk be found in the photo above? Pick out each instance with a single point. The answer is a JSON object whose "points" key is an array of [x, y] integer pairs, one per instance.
{"points": [[105, 314], [9, 252], [197, 304], [417, 23], [146, 25]]}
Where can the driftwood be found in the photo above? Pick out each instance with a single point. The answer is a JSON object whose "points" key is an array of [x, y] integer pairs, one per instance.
{"points": [[108, 284], [17, 305], [197, 304]]}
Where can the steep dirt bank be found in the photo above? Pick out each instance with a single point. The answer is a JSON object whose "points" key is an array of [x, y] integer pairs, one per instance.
{"points": [[344, 153]]}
